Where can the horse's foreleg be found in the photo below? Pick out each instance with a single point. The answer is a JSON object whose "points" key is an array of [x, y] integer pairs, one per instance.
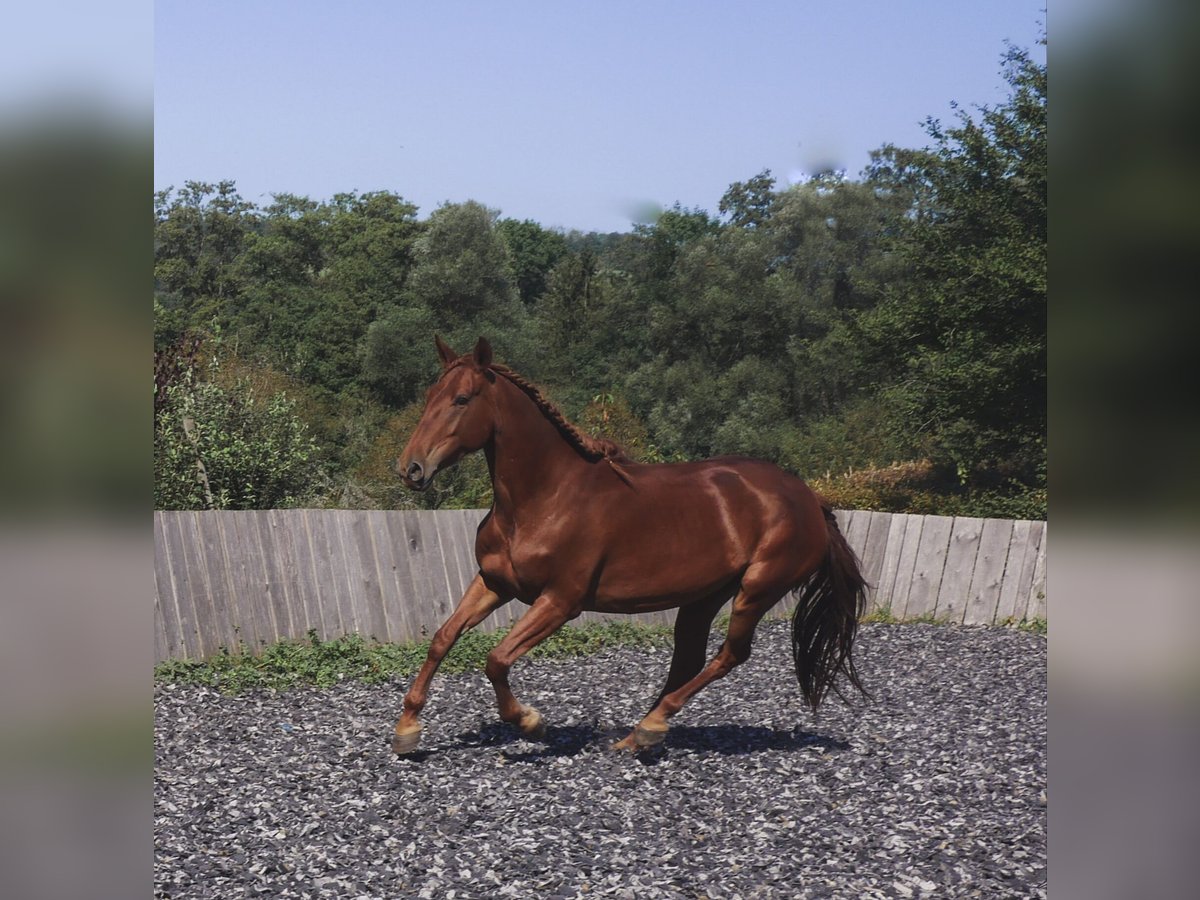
{"points": [[540, 621], [735, 650], [476, 605]]}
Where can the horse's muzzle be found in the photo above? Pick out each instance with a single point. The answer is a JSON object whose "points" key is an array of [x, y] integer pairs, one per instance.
{"points": [[416, 476]]}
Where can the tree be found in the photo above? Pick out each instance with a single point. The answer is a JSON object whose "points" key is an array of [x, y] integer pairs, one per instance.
{"points": [[199, 233], [968, 320], [749, 204], [533, 251], [397, 357], [461, 264]]}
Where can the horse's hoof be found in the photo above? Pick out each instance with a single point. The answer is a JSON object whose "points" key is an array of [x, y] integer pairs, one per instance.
{"points": [[532, 724], [627, 743], [406, 742], [647, 737]]}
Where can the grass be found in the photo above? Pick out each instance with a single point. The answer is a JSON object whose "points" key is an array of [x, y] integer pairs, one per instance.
{"points": [[323, 663]]}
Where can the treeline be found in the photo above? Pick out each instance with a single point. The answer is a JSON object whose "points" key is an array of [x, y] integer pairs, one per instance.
{"points": [[884, 336]]}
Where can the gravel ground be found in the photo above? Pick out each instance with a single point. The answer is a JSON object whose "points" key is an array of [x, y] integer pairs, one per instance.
{"points": [[936, 788]]}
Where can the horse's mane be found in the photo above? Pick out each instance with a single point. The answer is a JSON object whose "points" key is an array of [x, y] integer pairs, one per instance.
{"points": [[591, 448]]}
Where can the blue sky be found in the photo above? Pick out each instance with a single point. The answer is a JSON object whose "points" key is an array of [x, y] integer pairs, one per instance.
{"points": [[568, 113]]}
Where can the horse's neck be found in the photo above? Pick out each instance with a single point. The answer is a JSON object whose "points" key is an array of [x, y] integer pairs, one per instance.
{"points": [[528, 457]]}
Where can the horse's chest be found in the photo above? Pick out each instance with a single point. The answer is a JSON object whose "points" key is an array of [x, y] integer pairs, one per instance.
{"points": [[510, 563]]}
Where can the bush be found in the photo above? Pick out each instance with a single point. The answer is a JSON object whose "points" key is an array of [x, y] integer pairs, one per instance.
{"points": [[922, 488], [218, 447]]}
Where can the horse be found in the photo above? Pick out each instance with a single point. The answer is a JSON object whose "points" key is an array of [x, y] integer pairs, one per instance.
{"points": [[576, 525]]}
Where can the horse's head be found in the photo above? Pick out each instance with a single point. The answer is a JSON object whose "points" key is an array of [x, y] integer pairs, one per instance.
{"points": [[459, 415]]}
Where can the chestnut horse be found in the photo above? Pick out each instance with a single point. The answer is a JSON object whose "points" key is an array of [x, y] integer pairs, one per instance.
{"points": [[575, 525]]}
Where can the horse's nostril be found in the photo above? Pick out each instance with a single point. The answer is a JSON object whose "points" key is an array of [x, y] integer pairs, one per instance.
{"points": [[415, 473]]}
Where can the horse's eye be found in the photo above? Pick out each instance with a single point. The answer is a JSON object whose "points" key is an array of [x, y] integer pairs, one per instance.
{"points": [[461, 400]]}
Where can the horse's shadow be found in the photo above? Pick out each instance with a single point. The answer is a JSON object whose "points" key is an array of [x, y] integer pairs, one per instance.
{"points": [[572, 740]]}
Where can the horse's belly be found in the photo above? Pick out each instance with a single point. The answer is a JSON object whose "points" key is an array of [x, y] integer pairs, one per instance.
{"points": [[662, 587]]}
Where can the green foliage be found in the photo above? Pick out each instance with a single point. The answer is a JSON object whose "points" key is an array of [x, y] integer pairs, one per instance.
{"points": [[532, 252], [219, 447], [396, 358], [461, 271], [968, 322], [833, 324], [924, 488], [322, 663], [749, 204]]}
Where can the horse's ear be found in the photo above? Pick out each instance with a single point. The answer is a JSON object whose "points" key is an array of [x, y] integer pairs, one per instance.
{"points": [[483, 353], [447, 355]]}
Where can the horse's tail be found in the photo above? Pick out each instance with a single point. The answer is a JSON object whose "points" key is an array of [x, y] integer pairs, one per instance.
{"points": [[825, 622]]}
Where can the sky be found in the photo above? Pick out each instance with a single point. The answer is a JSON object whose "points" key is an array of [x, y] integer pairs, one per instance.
{"points": [[578, 116]]}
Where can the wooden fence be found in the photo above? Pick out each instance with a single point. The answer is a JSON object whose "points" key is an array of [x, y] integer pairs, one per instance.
{"points": [[233, 579]]}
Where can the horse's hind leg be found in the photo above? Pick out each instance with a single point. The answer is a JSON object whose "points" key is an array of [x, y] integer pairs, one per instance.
{"points": [[692, 625], [746, 613]]}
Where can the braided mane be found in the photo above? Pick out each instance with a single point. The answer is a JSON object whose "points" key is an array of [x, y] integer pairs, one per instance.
{"points": [[591, 448]]}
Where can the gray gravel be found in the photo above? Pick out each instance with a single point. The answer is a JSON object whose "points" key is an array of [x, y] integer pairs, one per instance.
{"points": [[936, 788]]}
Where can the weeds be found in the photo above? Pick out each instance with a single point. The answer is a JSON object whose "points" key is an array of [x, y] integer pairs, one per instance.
{"points": [[326, 662], [322, 663]]}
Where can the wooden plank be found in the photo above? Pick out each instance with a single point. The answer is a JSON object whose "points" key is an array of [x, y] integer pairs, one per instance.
{"points": [[462, 526], [268, 622], [254, 570], [287, 529], [906, 567], [1028, 570], [855, 530], [185, 577], [208, 629], [879, 524], [960, 567], [161, 651], [224, 604], [844, 517], [415, 586], [358, 584], [379, 568], [239, 562], [447, 541], [889, 566], [984, 594], [929, 566], [274, 584], [442, 569], [306, 593], [431, 606], [1038, 606], [225, 582], [401, 614], [344, 571], [325, 583], [444, 541], [383, 552], [167, 590], [1019, 550]]}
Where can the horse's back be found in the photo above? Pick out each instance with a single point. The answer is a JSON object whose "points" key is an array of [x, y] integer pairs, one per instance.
{"points": [[682, 530]]}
